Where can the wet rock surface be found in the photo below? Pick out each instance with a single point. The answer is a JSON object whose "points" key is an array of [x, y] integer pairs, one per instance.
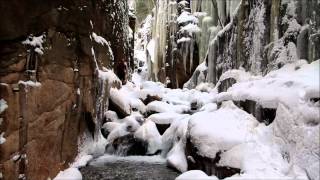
{"points": [[127, 145], [206, 164]]}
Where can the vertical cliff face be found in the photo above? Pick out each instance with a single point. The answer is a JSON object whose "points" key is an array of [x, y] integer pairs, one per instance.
{"points": [[261, 36], [257, 35], [55, 71], [182, 32]]}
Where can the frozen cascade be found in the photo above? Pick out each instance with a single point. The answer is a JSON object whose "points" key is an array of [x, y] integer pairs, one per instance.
{"points": [[159, 35], [190, 26]]}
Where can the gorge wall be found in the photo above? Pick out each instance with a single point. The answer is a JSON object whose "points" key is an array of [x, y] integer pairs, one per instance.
{"points": [[53, 58], [255, 35]]}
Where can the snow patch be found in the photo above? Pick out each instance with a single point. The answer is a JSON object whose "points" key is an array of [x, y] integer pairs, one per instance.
{"points": [[69, 174], [3, 106]]}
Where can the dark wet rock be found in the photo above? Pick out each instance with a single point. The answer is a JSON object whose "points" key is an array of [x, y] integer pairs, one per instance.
{"points": [[149, 113], [162, 127], [151, 98], [105, 133], [206, 164], [127, 145], [225, 84], [194, 106], [265, 115]]}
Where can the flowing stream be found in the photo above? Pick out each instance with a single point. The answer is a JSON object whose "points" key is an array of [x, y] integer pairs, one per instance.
{"points": [[110, 167]]}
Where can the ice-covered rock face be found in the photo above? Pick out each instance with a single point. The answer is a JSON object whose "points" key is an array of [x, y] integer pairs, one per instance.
{"points": [[253, 39]]}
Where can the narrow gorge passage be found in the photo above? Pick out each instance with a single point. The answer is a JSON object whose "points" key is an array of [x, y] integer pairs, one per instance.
{"points": [[160, 90]]}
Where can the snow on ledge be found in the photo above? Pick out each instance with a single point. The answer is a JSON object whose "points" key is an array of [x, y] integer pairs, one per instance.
{"points": [[35, 41], [3, 106], [30, 83], [103, 41]]}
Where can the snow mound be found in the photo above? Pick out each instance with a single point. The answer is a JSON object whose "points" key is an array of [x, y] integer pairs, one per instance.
{"points": [[195, 175], [166, 117], [69, 174], [149, 133], [220, 130], [160, 106], [120, 99], [210, 107], [81, 160], [129, 125], [293, 85], [173, 144]]}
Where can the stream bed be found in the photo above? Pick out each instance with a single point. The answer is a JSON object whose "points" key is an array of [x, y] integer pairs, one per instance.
{"points": [[110, 167]]}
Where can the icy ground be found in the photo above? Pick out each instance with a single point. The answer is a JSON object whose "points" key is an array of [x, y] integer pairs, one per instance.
{"points": [[288, 148]]}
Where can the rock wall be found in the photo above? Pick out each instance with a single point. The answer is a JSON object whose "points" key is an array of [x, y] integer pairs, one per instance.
{"points": [[261, 36], [257, 35], [51, 53]]}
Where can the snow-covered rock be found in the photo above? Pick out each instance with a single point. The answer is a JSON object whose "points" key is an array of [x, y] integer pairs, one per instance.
{"points": [[166, 117], [220, 130], [120, 100], [173, 144], [195, 175], [148, 132], [293, 85]]}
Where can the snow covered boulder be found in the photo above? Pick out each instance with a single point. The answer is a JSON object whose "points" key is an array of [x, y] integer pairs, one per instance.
{"points": [[163, 120], [132, 136], [174, 142], [210, 133], [119, 102], [161, 107], [149, 133], [293, 85], [120, 138], [220, 130]]}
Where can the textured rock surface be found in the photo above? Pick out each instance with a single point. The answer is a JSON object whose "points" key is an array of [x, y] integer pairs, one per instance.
{"points": [[43, 122], [262, 36]]}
